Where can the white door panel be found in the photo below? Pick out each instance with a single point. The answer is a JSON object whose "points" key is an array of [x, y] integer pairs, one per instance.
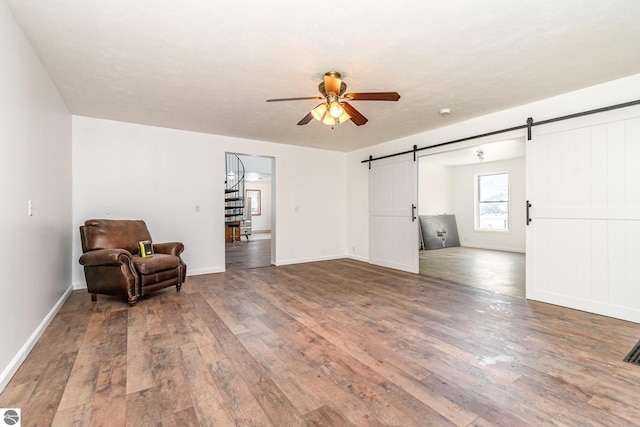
{"points": [[583, 244], [393, 230]]}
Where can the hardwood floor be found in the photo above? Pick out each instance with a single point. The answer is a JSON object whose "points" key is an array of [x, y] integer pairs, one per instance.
{"points": [[497, 271], [333, 343], [248, 254]]}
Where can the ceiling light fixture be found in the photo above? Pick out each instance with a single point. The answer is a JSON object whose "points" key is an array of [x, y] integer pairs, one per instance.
{"points": [[319, 112], [335, 109], [331, 112], [332, 121]]}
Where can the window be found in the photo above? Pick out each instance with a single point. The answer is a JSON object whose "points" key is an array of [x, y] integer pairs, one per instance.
{"points": [[492, 210]]}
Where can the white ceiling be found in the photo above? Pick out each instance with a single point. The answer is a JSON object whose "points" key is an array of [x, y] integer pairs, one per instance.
{"points": [[491, 152], [257, 168], [208, 66]]}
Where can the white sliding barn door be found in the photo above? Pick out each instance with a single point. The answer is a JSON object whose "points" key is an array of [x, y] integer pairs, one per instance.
{"points": [[583, 244], [393, 222]]}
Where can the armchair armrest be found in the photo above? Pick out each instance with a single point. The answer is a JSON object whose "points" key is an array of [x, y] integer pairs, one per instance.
{"points": [[105, 257], [170, 248]]}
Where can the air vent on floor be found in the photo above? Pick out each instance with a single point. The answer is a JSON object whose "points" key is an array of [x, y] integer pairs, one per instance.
{"points": [[634, 355]]}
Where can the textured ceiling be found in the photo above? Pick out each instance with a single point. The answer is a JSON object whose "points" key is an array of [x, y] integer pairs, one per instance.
{"points": [[208, 66]]}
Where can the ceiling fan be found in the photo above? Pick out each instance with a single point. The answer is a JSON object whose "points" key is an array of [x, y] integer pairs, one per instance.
{"points": [[335, 109]]}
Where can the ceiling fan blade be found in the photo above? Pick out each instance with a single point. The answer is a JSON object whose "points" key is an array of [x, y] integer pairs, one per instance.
{"points": [[373, 96], [293, 99], [356, 117], [332, 82], [306, 119]]}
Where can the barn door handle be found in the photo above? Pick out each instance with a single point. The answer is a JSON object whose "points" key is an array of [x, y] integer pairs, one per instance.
{"points": [[528, 213], [413, 212]]}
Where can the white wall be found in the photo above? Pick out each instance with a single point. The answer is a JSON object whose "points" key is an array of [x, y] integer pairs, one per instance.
{"points": [[451, 189], [35, 164], [463, 178], [261, 222], [159, 175], [263, 166], [435, 188], [614, 92]]}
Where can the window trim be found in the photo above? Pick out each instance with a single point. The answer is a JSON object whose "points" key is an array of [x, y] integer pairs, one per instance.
{"points": [[477, 203]]}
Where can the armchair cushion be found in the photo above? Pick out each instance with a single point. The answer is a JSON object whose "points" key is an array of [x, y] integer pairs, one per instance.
{"points": [[155, 264]]}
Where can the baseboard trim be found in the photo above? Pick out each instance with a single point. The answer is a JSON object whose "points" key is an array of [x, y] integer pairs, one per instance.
{"points": [[358, 258], [315, 259], [204, 271], [22, 354], [630, 314], [79, 285], [493, 248]]}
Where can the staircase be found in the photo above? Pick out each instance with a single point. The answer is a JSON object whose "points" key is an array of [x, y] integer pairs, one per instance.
{"points": [[237, 215]]}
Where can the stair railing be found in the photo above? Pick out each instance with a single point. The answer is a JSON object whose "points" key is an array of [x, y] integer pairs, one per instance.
{"points": [[234, 188]]}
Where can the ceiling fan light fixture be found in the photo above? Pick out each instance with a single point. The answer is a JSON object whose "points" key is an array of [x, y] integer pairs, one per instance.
{"points": [[336, 109], [319, 112], [343, 117], [332, 112], [329, 120]]}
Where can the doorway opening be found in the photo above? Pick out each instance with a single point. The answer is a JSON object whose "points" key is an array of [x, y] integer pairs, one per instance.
{"points": [[473, 230], [249, 217]]}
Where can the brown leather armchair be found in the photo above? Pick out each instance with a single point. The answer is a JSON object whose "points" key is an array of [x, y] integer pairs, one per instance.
{"points": [[113, 265]]}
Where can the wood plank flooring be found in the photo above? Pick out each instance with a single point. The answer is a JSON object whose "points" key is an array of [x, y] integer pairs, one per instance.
{"points": [[248, 254], [497, 271], [333, 343]]}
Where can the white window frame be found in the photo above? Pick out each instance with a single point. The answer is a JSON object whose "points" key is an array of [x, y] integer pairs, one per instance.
{"points": [[477, 202]]}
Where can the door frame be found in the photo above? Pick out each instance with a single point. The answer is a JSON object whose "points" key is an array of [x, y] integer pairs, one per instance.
{"points": [[273, 202], [520, 134]]}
